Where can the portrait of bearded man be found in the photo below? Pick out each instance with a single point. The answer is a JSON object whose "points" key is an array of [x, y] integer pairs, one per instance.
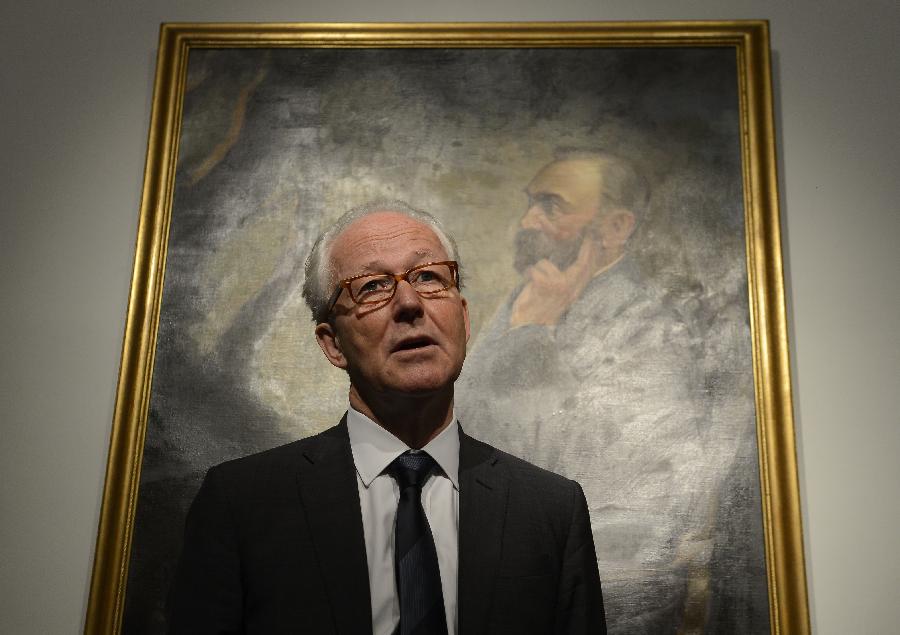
{"points": [[591, 370]]}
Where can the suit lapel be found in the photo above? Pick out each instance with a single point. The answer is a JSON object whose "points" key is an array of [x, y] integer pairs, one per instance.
{"points": [[483, 491], [327, 481]]}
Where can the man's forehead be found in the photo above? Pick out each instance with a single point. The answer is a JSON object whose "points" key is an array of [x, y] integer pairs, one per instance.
{"points": [[386, 241], [380, 263], [384, 225], [575, 176]]}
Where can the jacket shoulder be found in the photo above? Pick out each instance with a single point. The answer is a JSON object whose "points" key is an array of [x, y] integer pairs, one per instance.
{"points": [[524, 474], [533, 473], [262, 468]]}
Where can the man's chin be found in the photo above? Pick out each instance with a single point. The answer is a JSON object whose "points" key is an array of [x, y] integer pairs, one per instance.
{"points": [[420, 381]]}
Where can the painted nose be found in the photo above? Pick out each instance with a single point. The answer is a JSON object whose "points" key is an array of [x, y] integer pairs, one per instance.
{"points": [[532, 218]]}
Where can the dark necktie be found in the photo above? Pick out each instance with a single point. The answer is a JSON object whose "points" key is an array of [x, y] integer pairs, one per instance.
{"points": [[415, 557]]}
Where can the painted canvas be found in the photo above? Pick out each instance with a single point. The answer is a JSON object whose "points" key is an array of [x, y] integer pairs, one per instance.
{"points": [[633, 375]]}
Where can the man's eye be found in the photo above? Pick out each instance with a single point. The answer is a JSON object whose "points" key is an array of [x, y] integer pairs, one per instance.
{"points": [[373, 286], [548, 205], [550, 208], [429, 280]]}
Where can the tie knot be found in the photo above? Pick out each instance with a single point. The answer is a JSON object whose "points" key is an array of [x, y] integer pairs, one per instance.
{"points": [[411, 468]]}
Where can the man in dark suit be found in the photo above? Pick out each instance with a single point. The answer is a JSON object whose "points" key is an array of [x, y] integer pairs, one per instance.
{"points": [[395, 520]]}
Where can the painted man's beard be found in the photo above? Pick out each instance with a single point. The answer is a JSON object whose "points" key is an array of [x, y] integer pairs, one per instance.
{"points": [[533, 245]]}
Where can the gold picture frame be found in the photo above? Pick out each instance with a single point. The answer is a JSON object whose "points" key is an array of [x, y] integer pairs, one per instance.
{"points": [[746, 41]]}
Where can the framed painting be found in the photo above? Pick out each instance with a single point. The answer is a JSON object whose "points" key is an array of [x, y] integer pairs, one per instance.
{"points": [[659, 381]]}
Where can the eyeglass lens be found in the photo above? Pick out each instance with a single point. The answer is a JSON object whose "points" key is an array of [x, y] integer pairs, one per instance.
{"points": [[426, 280]]}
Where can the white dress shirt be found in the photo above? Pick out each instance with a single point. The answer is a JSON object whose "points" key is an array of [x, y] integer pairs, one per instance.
{"points": [[373, 450]]}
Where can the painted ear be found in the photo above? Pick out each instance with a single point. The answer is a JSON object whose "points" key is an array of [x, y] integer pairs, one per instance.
{"points": [[618, 229], [327, 338], [624, 224]]}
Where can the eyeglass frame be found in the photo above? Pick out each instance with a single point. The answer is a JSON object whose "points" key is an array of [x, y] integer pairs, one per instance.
{"points": [[398, 278]]}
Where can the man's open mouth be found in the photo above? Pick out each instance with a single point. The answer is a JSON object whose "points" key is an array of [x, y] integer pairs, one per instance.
{"points": [[413, 343]]}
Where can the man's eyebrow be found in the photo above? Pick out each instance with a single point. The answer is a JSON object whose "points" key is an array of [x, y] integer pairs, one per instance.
{"points": [[545, 196], [372, 266], [378, 266]]}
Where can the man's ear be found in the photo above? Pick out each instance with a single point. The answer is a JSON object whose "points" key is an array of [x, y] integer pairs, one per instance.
{"points": [[327, 338], [465, 306]]}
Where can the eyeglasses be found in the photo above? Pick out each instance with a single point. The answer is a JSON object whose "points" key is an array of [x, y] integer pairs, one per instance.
{"points": [[428, 280]]}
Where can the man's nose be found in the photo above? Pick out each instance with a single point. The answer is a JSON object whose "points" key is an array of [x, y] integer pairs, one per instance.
{"points": [[532, 218], [407, 300]]}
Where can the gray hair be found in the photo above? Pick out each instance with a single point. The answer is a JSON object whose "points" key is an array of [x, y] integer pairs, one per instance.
{"points": [[623, 185], [319, 284]]}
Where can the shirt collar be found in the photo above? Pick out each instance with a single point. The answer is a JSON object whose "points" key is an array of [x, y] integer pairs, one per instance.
{"points": [[374, 447]]}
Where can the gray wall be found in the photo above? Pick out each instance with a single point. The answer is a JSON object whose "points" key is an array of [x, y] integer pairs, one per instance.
{"points": [[75, 110]]}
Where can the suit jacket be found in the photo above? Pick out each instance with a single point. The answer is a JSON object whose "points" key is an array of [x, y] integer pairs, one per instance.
{"points": [[274, 544]]}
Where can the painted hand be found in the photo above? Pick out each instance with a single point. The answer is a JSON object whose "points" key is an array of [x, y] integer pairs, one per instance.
{"points": [[549, 292]]}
